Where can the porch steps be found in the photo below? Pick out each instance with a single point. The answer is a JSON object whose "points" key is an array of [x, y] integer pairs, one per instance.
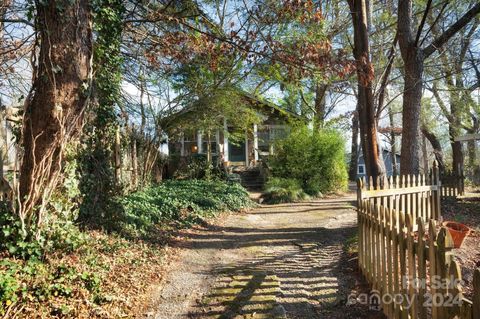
{"points": [[251, 178]]}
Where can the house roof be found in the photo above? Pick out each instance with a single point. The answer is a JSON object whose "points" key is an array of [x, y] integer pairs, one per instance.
{"points": [[259, 101], [254, 101]]}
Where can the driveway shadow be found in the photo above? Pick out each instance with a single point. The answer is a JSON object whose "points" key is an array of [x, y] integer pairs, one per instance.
{"points": [[301, 271]]}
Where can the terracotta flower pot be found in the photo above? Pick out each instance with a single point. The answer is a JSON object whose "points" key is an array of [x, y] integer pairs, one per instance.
{"points": [[458, 232]]}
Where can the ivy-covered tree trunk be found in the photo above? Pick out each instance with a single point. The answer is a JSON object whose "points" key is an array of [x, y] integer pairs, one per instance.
{"points": [[100, 164], [57, 100]]}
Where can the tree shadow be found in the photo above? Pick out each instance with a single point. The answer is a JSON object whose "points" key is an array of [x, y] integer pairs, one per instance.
{"points": [[302, 272]]}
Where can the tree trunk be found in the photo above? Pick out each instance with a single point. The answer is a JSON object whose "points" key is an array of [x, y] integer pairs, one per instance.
{"points": [[454, 129], [320, 104], [134, 160], [352, 172], [412, 97], [365, 73], [425, 155], [142, 106], [457, 154], [436, 145], [471, 145], [393, 143], [472, 154], [57, 100], [413, 57]]}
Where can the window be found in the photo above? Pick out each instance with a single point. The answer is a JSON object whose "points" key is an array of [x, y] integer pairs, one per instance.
{"points": [[213, 147], [361, 169]]}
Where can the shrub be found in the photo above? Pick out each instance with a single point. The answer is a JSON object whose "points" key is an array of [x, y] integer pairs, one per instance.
{"points": [[315, 158], [283, 190], [198, 167]]}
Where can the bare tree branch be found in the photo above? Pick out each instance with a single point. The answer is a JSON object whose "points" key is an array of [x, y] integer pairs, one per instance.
{"points": [[451, 31]]}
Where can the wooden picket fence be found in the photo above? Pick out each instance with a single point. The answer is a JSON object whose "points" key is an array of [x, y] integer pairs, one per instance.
{"points": [[404, 253], [417, 194], [453, 184]]}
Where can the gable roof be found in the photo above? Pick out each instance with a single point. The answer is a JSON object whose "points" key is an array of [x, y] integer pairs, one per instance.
{"points": [[267, 105], [255, 101]]}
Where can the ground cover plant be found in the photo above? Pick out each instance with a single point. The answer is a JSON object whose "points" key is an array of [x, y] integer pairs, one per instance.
{"points": [[74, 272], [183, 202]]}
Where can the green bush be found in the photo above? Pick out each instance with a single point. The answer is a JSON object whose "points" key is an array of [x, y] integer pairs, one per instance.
{"points": [[315, 158], [199, 167], [283, 190], [181, 201]]}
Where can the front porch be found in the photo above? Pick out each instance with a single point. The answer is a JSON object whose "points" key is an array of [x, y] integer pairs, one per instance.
{"points": [[257, 143]]}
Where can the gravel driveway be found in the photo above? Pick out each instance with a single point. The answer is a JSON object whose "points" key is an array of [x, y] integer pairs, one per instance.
{"points": [[275, 261]]}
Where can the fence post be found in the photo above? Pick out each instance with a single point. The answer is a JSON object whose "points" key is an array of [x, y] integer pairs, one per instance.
{"points": [[436, 193], [361, 226], [444, 259], [360, 186], [461, 182], [432, 238]]}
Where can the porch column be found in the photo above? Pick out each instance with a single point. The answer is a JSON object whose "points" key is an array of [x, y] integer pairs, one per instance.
{"points": [[255, 142], [225, 140], [271, 137], [246, 148], [199, 142], [182, 142], [217, 142]]}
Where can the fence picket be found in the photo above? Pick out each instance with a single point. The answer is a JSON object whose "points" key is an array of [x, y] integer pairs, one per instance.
{"points": [[432, 236], [396, 280], [402, 247], [422, 269], [383, 256], [389, 264], [412, 276], [454, 289], [398, 255], [444, 258], [376, 250]]}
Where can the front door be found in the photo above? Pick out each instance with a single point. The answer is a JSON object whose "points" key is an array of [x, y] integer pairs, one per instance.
{"points": [[236, 152]]}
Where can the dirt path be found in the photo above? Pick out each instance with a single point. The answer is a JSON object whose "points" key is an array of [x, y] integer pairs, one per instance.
{"points": [[279, 261]]}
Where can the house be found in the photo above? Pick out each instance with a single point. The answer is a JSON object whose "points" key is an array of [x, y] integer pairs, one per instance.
{"points": [[226, 142], [387, 159]]}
